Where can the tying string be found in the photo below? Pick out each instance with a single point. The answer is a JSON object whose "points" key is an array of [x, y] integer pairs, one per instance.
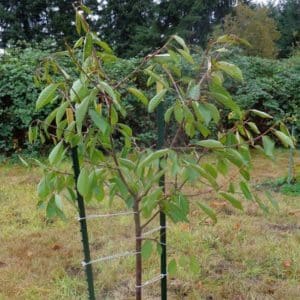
{"points": [[153, 280], [104, 258], [106, 215]]}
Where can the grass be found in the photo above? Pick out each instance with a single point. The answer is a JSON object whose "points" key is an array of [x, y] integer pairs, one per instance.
{"points": [[246, 255]]}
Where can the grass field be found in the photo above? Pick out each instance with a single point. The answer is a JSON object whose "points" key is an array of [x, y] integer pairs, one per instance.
{"points": [[246, 255]]}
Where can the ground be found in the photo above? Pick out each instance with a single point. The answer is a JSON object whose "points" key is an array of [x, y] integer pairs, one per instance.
{"points": [[246, 255]]}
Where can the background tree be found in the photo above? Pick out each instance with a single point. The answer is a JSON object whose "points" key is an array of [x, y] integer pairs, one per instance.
{"points": [[130, 25], [287, 15], [256, 27], [35, 20]]}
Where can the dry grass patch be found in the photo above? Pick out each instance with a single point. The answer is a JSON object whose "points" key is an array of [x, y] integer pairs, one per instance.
{"points": [[246, 255]]}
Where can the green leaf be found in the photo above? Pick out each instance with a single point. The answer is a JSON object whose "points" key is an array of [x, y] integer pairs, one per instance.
{"points": [[58, 201], [181, 42], [253, 127], [99, 121], [23, 161], [285, 139], [234, 202], [211, 144], [210, 212], [269, 146], [154, 77], [81, 111], [214, 112], [43, 188], [83, 183], [78, 91], [51, 210], [186, 55], [154, 102], [47, 95], [61, 112], [139, 94], [152, 156], [168, 114], [146, 249], [88, 46], [56, 154], [195, 92], [261, 114], [245, 190], [232, 70], [172, 267], [226, 101], [178, 112]]}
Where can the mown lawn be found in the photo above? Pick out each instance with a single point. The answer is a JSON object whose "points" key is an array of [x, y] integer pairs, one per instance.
{"points": [[246, 255]]}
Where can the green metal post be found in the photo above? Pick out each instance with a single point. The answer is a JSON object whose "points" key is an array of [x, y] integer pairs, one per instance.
{"points": [[162, 216], [83, 228], [291, 169]]}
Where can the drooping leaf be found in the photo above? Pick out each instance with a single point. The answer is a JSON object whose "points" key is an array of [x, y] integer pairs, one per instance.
{"points": [[56, 154], [210, 212], [211, 144], [231, 199], [285, 139], [81, 111], [261, 114], [139, 94], [245, 190], [232, 70], [47, 95], [154, 102], [99, 121], [147, 249], [83, 184], [269, 146]]}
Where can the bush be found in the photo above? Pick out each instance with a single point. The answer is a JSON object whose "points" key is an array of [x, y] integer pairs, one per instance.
{"points": [[272, 86], [18, 94]]}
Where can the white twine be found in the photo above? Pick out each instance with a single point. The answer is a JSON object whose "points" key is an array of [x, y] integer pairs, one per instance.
{"points": [[104, 258], [148, 282], [106, 215], [153, 230]]}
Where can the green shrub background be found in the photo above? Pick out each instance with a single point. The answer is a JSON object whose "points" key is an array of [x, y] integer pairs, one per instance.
{"points": [[270, 85]]}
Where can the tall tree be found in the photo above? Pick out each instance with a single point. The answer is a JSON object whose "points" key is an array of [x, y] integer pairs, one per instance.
{"points": [[192, 19], [135, 27], [287, 14], [128, 25], [34, 20], [256, 27]]}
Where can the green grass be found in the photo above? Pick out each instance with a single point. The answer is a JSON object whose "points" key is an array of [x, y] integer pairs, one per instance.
{"points": [[246, 255]]}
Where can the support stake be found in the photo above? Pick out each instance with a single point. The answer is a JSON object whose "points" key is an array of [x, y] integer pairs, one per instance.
{"points": [[83, 227], [162, 216]]}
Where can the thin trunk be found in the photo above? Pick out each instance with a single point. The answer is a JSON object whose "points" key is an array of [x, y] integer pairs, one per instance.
{"points": [[138, 249]]}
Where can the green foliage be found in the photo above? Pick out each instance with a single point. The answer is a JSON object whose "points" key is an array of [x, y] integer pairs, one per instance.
{"points": [[271, 86], [17, 96]]}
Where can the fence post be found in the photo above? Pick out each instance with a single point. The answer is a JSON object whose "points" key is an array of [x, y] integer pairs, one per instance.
{"points": [[83, 227], [162, 216]]}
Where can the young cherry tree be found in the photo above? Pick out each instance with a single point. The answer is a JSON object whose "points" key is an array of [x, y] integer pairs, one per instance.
{"points": [[87, 116]]}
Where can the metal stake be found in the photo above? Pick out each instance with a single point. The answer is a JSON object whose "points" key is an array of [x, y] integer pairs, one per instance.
{"points": [[83, 227], [162, 216]]}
